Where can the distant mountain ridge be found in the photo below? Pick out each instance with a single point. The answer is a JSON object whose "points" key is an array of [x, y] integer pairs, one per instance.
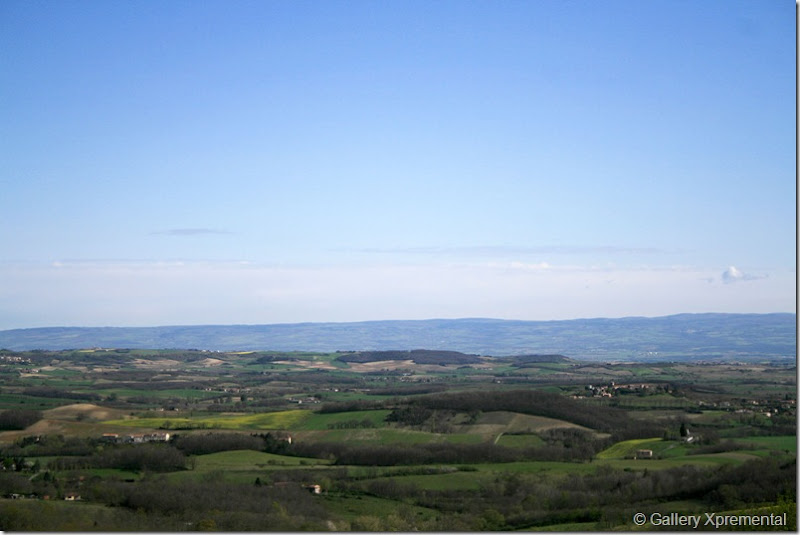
{"points": [[677, 337]]}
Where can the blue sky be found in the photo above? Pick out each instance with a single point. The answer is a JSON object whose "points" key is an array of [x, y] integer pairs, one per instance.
{"points": [[269, 162]]}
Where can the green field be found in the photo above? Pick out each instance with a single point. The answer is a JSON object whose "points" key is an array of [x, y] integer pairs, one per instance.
{"points": [[258, 421], [323, 421], [781, 443], [22, 401], [622, 450], [250, 460], [519, 441], [385, 436]]}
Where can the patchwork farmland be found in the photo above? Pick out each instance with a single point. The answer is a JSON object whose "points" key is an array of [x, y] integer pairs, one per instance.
{"points": [[260, 441]]}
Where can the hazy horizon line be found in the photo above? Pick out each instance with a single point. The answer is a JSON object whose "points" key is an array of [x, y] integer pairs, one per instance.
{"points": [[473, 318]]}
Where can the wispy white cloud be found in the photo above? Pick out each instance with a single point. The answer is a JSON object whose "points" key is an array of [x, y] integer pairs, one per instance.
{"points": [[189, 232], [529, 266], [489, 250]]}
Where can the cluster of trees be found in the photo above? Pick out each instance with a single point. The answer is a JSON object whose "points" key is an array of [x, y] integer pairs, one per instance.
{"points": [[407, 389], [406, 454], [201, 444], [755, 482], [52, 445], [783, 423], [351, 406], [50, 392], [139, 457], [12, 419], [410, 415]]}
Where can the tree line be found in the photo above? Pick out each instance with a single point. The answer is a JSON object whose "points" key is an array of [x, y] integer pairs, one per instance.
{"points": [[14, 419]]}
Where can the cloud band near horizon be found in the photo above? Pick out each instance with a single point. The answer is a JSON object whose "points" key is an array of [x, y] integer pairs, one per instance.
{"points": [[176, 293]]}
